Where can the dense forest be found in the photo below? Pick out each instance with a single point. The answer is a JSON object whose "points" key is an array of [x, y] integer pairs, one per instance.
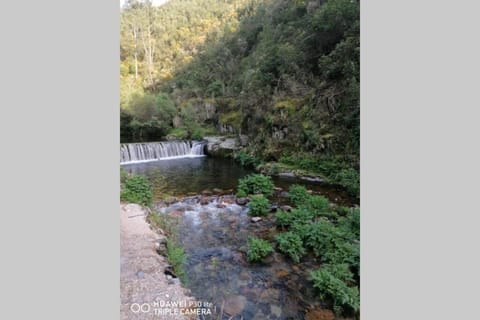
{"points": [[285, 73]]}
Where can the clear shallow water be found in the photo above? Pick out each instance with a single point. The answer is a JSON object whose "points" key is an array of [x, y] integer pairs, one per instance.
{"points": [[215, 236], [188, 176]]}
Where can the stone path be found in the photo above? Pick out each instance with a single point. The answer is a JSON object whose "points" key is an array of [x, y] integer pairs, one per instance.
{"points": [[144, 289]]}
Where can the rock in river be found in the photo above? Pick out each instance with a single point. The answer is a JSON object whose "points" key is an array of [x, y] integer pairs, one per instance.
{"points": [[235, 304], [242, 201], [256, 219]]}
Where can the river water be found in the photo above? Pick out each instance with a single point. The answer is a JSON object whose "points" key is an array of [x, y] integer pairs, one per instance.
{"points": [[215, 234]]}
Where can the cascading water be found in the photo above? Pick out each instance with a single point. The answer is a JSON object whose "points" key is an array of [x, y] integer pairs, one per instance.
{"points": [[153, 151]]}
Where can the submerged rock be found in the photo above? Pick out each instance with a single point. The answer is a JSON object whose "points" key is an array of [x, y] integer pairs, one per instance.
{"points": [[204, 200], [217, 191], [320, 314], [234, 305], [241, 201]]}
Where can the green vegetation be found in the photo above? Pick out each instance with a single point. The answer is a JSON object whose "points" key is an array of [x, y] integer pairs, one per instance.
{"points": [[331, 287], [284, 73], [246, 160], [258, 249], [283, 218], [290, 244], [332, 235], [176, 256], [256, 184], [137, 189], [298, 194], [258, 205]]}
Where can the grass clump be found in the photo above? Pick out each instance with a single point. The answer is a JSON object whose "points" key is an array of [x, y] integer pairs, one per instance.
{"points": [[258, 205], [176, 256], [137, 189], [291, 245], [331, 287], [256, 184], [258, 249], [298, 194]]}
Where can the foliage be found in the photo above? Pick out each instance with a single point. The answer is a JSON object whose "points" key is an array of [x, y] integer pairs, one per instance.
{"points": [[137, 189], [349, 178], [123, 175], [241, 194], [290, 244], [331, 287], [258, 249], [246, 160], [256, 184], [258, 205], [283, 218], [179, 133], [176, 256], [298, 194], [286, 73]]}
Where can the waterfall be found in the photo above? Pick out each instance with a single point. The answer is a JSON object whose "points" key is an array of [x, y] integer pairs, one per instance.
{"points": [[153, 151]]}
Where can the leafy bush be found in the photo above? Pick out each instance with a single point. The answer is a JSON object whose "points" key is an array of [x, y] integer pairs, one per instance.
{"points": [[318, 204], [333, 288], [340, 271], [258, 249], [290, 244], [258, 205], [256, 184], [350, 179], [197, 134], [298, 194], [179, 133], [350, 224], [330, 287], [247, 160], [283, 218], [241, 194], [137, 189]]}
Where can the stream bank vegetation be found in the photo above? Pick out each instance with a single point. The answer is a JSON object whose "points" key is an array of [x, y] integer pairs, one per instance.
{"points": [[314, 226], [137, 189]]}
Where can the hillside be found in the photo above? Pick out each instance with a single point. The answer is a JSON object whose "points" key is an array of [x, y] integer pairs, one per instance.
{"points": [[284, 73]]}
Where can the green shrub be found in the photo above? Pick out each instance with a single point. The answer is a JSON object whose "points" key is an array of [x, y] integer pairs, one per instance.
{"points": [[342, 211], [176, 256], [340, 271], [137, 189], [283, 218], [179, 133], [241, 194], [350, 179], [256, 184], [350, 224], [333, 288], [258, 249], [197, 134], [318, 204], [247, 160], [322, 237], [258, 205], [291, 245], [298, 194]]}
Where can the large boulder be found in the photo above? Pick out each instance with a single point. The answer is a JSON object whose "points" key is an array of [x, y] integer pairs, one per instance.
{"points": [[221, 146]]}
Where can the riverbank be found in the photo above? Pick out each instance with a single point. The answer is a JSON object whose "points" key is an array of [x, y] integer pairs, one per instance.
{"points": [[146, 291]]}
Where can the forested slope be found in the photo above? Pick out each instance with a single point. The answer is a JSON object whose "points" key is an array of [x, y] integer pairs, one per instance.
{"points": [[285, 73]]}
